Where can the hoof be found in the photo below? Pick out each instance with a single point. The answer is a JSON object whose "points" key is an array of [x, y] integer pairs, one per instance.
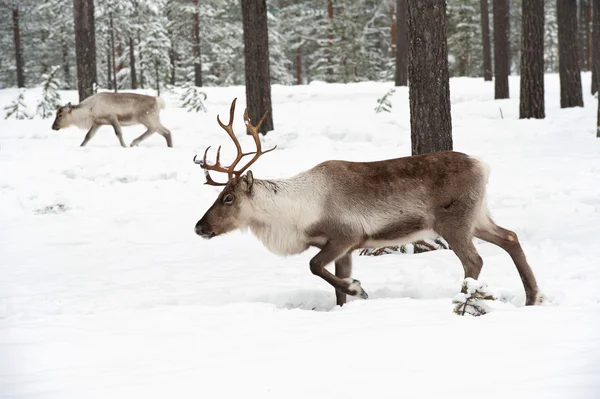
{"points": [[134, 143], [355, 289]]}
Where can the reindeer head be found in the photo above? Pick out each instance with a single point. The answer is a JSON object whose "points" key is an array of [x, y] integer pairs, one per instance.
{"points": [[62, 117], [231, 209]]}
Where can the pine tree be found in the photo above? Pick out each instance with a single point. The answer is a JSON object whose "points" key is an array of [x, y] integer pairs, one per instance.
{"points": [[550, 37], [50, 97], [485, 41], [17, 109], [85, 43], [430, 119], [464, 38], [532, 61], [501, 48], [401, 43], [18, 51], [570, 75], [596, 47], [257, 69]]}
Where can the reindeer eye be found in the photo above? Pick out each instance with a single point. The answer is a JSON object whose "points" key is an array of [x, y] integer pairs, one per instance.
{"points": [[228, 200]]}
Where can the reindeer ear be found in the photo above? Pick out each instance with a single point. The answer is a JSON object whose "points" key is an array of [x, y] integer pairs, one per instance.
{"points": [[249, 180]]}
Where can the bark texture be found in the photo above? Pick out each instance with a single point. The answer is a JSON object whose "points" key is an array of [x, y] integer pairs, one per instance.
{"points": [[485, 38], [568, 66], [18, 50], [532, 61], [401, 43], [596, 47], [501, 48], [196, 46], [430, 118], [85, 47], [584, 33], [132, 64], [256, 57]]}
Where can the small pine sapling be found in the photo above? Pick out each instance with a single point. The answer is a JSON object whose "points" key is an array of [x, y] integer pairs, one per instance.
{"points": [[193, 99], [384, 104], [472, 298], [17, 109], [50, 97]]}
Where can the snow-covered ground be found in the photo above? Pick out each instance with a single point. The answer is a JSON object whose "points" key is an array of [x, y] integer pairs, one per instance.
{"points": [[106, 292]]}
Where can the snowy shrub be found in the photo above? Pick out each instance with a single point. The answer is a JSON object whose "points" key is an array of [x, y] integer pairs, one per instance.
{"points": [[193, 99], [17, 109], [50, 97], [472, 297], [384, 103]]}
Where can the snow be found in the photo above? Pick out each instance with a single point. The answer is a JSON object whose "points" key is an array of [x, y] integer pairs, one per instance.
{"points": [[106, 292]]}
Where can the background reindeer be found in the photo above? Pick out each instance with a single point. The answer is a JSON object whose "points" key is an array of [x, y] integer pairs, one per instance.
{"points": [[115, 109], [339, 206]]}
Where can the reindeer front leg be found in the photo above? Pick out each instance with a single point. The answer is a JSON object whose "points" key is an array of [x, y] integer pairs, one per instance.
{"points": [[90, 134], [332, 251], [115, 124], [343, 270]]}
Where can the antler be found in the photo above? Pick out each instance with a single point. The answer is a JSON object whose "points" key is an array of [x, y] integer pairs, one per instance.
{"points": [[230, 170]]}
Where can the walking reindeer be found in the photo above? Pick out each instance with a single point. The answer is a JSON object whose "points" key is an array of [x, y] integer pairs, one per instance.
{"points": [[116, 110], [339, 206]]}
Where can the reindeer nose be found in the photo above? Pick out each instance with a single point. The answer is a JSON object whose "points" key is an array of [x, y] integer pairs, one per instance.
{"points": [[54, 127], [203, 229]]}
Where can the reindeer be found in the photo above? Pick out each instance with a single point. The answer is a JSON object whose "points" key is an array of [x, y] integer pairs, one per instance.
{"points": [[339, 206], [115, 109]]}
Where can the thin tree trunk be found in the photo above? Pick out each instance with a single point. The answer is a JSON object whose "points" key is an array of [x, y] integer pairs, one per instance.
{"points": [[18, 51], [584, 32], [66, 66], [596, 47], [299, 65], [85, 47], [172, 58], [256, 57], [430, 118], [109, 84], [485, 37], [141, 63], [132, 64], [112, 49], [532, 61], [157, 78], [568, 66], [401, 43], [196, 47], [501, 48], [330, 44]]}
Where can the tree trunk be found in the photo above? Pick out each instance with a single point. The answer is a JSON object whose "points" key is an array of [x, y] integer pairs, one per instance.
{"points": [[132, 64], [584, 32], [430, 118], [112, 49], [532, 61], [141, 63], [485, 37], [196, 47], [85, 47], [401, 43], [172, 59], [66, 66], [299, 65], [18, 51], [109, 84], [568, 65], [501, 48], [596, 47], [156, 69], [256, 57]]}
